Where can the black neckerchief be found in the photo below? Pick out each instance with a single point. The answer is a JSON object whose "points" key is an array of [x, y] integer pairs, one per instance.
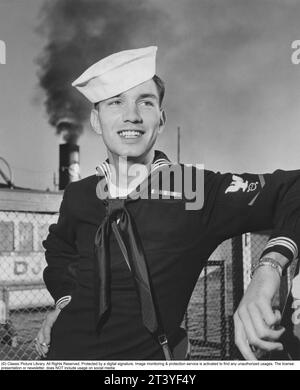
{"points": [[119, 220]]}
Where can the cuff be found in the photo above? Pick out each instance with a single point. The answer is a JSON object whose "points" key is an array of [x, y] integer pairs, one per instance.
{"points": [[283, 245], [62, 302]]}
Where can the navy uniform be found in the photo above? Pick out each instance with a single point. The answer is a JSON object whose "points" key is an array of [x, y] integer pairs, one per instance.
{"points": [[177, 243]]}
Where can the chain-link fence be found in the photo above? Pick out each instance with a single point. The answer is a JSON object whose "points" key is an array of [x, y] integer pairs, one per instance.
{"points": [[209, 318], [24, 300], [23, 296], [206, 319], [221, 285]]}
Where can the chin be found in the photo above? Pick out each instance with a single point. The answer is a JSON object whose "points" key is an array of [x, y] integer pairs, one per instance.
{"points": [[133, 151]]}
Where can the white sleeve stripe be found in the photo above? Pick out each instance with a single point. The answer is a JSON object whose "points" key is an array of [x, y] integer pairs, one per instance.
{"points": [[278, 242], [67, 298], [283, 244], [283, 241], [286, 239], [63, 299]]}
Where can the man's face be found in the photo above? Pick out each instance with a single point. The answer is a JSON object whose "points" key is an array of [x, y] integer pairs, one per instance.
{"points": [[130, 122]]}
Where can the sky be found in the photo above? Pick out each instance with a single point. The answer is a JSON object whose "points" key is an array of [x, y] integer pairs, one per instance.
{"points": [[230, 85]]}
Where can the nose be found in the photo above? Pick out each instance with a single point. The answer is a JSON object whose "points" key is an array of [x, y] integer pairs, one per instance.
{"points": [[131, 114]]}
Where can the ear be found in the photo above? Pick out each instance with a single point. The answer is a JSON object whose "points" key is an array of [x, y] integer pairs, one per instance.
{"points": [[162, 121], [95, 123]]}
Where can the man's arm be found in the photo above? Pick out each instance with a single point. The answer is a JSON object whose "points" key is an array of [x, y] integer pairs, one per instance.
{"points": [[61, 255], [60, 273], [255, 319], [247, 203]]}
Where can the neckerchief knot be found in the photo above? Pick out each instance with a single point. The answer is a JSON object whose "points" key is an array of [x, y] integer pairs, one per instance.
{"points": [[114, 207]]}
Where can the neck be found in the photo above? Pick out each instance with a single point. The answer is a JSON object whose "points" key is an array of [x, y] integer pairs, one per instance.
{"points": [[122, 166]]}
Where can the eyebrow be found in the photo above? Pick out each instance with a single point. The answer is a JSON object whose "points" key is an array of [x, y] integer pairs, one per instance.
{"points": [[148, 95], [142, 96]]}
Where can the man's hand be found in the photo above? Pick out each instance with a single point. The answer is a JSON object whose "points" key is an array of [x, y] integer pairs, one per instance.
{"points": [[44, 335], [255, 319]]}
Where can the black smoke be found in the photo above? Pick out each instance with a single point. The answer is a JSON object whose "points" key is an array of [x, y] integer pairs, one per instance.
{"points": [[79, 33]]}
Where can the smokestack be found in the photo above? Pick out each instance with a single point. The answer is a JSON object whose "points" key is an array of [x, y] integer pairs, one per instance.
{"points": [[69, 168]]}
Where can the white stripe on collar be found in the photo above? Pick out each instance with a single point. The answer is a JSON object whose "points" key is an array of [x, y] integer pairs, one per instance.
{"points": [[158, 166], [104, 168], [160, 162]]}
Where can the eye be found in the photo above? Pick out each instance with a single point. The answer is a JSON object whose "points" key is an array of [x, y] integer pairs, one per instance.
{"points": [[115, 102], [147, 103]]}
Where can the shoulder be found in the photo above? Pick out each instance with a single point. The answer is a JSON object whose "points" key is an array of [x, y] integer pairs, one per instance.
{"points": [[82, 193], [81, 186]]}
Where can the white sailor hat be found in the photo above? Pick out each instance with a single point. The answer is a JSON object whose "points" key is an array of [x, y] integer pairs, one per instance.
{"points": [[117, 73]]}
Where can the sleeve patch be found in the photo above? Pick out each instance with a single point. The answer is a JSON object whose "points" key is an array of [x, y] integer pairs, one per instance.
{"points": [[238, 183]]}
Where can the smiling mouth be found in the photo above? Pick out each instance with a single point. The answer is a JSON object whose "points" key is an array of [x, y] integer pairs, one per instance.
{"points": [[130, 133]]}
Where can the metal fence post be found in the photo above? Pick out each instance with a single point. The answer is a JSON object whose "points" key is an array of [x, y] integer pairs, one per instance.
{"points": [[237, 288], [205, 304], [223, 312]]}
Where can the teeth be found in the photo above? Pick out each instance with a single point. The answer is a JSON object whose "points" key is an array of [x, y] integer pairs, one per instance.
{"points": [[130, 133]]}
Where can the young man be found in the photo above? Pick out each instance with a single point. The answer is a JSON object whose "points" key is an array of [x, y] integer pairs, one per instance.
{"points": [[122, 268]]}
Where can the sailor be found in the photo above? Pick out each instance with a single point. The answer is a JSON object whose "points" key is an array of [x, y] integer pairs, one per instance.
{"points": [[123, 258]]}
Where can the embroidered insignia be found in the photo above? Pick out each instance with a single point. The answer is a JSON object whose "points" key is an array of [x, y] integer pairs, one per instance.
{"points": [[237, 184], [252, 186]]}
